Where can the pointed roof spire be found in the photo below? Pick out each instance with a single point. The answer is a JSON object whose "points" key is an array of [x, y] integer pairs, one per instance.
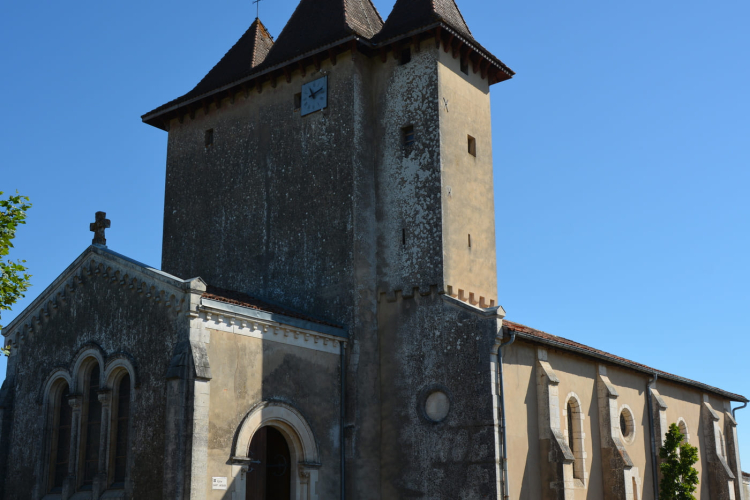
{"points": [[249, 51], [410, 15], [317, 23]]}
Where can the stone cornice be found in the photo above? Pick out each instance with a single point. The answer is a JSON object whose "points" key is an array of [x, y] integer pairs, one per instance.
{"points": [[100, 263], [216, 317]]}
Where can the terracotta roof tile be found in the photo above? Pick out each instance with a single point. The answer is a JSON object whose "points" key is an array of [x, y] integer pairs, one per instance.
{"points": [[565, 343], [245, 300]]}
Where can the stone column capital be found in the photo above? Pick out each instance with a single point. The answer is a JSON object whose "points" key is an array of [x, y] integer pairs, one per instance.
{"points": [[75, 401], [105, 396]]}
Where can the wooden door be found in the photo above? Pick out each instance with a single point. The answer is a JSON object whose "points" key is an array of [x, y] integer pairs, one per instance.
{"points": [[270, 479]]}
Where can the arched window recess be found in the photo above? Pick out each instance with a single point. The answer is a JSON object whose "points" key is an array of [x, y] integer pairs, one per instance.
{"points": [[574, 418]]}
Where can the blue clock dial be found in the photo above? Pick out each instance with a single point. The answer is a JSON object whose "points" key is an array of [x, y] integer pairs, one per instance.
{"points": [[314, 96]]}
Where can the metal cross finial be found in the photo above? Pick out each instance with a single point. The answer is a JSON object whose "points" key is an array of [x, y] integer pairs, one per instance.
{"points": [[257, 8], [98, 228]]}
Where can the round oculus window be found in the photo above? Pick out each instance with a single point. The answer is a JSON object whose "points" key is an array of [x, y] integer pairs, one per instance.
{"points": [[627, 425], [437, 405]]}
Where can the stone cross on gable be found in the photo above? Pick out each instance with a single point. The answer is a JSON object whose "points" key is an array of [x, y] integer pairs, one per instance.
{"points": [[98, 228]]}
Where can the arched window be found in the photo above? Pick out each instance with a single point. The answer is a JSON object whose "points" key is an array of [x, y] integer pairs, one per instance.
{"points": [[575, 437], [60, 456], [570, 427], [684, 431], [121, 422], [92, 429]]}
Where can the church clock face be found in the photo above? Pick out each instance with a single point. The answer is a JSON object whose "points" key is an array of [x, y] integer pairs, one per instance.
{"points": [[314, 96]]}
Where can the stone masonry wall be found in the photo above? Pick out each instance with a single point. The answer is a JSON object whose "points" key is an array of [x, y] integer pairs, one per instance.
{"points": [[98, 311], [431, 346]]}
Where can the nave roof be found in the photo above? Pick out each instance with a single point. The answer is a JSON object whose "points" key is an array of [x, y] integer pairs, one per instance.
{"points": [[539, 336]]}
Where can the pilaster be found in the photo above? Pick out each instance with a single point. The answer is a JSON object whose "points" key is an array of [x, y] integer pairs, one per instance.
{"points": [[556, 456], [733, 454], [661, 426], [619, 474], [6, 415], [100, 481], [69, 485], [721, 479]]}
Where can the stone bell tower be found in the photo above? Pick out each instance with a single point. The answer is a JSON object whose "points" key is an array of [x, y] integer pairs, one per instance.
{"points": [[371, 208]]}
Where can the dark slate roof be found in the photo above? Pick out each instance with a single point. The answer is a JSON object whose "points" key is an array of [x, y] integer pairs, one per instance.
{"points": [[248, 53], [313, 25], [245, 300], [563, 343], [410, 15], [317, 23]]}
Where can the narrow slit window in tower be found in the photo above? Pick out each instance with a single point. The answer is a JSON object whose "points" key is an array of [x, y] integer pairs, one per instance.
{"points": [[472, 146], [297, 101], [209, 137], [469, 241], [407, 136], [465, 65]]}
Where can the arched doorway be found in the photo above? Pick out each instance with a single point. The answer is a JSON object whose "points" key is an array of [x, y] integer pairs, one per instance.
{"points": [[271, 478], [304, 465]]}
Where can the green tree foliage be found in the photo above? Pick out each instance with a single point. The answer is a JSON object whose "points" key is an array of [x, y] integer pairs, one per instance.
{"points": [[679, 477], [13, 278]]}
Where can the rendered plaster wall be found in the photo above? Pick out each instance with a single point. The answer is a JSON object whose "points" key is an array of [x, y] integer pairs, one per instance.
{"points": [[631, 387], [746, 484], [467, 189], [118, 320], [248, 370], [428, 344], [519, 361], [577, 375], [685, 402]]}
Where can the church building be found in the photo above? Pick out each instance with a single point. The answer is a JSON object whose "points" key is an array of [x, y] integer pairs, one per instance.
{"points": [[326, 322]]}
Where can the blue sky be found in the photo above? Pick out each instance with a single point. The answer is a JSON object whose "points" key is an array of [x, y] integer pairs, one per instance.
{"points": [[620, 148]]}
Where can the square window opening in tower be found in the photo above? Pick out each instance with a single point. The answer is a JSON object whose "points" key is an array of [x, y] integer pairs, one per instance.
{"points": [[407, 136], [405, 56]]}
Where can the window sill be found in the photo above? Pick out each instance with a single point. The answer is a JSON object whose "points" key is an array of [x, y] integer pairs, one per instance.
{"points": [[113, 494]]}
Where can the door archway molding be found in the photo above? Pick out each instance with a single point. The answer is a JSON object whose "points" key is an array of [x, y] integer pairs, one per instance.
{"points": [[302, 446]]}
